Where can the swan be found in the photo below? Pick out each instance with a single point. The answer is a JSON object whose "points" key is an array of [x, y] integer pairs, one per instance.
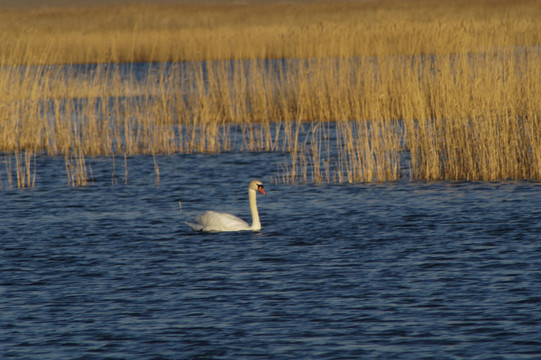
{"points": [[218, 221]]}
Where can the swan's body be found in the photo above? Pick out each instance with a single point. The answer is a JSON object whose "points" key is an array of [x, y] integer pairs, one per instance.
{"points": [[218, 221]]}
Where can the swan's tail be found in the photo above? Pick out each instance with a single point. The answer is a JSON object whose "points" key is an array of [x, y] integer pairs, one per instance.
{"points": [[196, 227]]}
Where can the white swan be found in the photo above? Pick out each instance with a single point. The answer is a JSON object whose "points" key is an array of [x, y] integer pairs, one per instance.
{"points": [[218, 221]]}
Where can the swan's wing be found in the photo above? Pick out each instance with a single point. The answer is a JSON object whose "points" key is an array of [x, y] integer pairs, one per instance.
{"points": [[217, 221]]}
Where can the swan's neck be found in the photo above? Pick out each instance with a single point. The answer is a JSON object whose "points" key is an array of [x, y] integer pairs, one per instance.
{"points": [[256, 224]]}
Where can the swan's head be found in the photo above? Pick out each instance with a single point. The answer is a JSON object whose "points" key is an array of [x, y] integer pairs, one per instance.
{"points": [[257, 185]]}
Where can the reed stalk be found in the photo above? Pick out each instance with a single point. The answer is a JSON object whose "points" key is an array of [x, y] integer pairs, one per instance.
{"points": [[25, 169], [7, 163]]}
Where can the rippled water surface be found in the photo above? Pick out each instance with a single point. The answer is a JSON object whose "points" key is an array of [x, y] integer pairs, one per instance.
{"points": [[384, 271]]}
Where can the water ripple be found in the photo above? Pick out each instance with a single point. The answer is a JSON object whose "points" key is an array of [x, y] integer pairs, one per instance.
{"points": [[381, 271]]}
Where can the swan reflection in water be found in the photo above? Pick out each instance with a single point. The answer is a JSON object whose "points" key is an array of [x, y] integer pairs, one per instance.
{"points": [[218, 221]]}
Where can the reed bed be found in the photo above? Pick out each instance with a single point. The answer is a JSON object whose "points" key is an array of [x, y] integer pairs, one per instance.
{"points": [[352, 91], [260, 29], [456, 117]]}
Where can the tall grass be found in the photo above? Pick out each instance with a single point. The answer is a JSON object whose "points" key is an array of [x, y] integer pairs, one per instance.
{"points": [[258, 29], [453, 117], [427, 90]]}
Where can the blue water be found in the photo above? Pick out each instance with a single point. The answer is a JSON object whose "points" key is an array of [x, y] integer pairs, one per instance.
{"points": [[378, 271]]}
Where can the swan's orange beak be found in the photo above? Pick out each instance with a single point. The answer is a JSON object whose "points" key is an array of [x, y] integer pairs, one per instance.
{"points": [[260, 189]]}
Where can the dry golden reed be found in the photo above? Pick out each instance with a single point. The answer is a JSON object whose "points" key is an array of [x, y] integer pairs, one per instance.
{"points": [[260, 29], [425, 90]]}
